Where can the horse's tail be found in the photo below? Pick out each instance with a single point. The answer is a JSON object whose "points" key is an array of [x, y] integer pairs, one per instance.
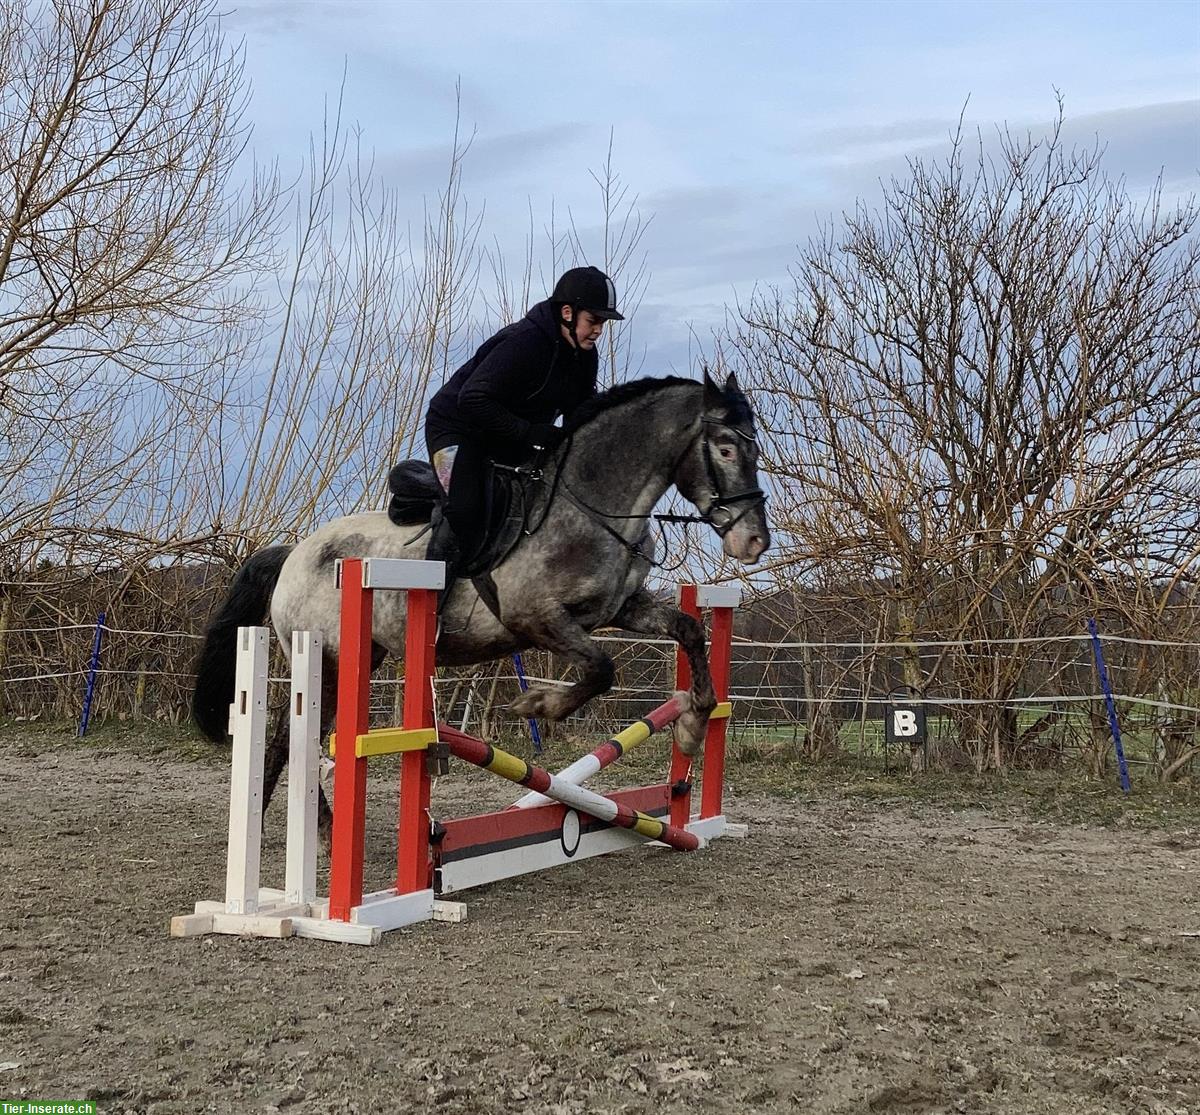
{"points": [[245, 606]]}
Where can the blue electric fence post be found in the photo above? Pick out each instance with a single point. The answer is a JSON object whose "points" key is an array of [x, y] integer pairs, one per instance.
{"points": [[534, 734], [91, 681], [1113, 726]]}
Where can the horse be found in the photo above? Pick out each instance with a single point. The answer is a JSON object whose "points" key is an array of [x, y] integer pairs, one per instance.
{"points": [[577, 559]]}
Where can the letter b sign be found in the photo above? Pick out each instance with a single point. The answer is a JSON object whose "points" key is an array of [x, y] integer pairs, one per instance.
{"points": [[906, 724]]}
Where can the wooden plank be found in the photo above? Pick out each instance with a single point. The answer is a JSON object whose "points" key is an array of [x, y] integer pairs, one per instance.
{"points": [[507, 863], [304, 758], [680, 770], [246, 770], [403, 573], [251, 925], [322, 929], [720, 648], [453, 912], [191, 925], [388, 741], [719, 596], [350, 772], [464, 836], [389, 910], [413, 869]]}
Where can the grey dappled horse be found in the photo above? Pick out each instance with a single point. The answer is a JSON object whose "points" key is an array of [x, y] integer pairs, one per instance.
{"points": [[582, 566]]}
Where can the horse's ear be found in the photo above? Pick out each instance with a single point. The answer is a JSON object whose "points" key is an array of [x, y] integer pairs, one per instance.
{"points": [[713, 395], [731, 383]]}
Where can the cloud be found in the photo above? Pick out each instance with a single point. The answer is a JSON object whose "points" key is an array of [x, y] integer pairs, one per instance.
{"points": [[488, 158], [709, 246], [278, 15], [846, 139], [1140, 142]]}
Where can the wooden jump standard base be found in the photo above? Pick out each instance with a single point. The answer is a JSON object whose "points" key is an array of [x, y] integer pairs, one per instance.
{"points": [[536, 833]]}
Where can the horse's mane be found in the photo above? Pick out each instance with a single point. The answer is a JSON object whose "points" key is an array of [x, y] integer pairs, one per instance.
{"points": [[621, 393]]}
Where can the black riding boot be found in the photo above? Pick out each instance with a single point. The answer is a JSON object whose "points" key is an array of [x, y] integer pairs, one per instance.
{"points": [[443, 546]]}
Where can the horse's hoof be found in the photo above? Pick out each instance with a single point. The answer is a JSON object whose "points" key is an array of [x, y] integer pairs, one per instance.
{"points": [[532, 705], [690, 727]]}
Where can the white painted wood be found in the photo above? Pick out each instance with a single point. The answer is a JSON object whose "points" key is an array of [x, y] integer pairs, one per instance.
{"points": [[455, 912], [275, 909], [719, 596], [736, 831], [249, 722], [708, 829], [387, 910], [321, 929], [402, 573], [494, 866], [252, 925], [304, 758], [480, 870], [191, 925]]}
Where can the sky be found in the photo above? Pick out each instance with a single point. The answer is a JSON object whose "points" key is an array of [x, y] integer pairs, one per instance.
{"points": [[740, 128]]}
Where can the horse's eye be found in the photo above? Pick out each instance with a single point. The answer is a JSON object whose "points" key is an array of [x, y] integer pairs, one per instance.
{"points": [[728, 452]]}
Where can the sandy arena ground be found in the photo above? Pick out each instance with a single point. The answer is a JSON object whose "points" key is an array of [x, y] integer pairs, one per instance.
{"points": [[849, 957]]}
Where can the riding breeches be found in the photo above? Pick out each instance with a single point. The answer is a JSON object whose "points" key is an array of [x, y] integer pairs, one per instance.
{"points": [[463, 472]]}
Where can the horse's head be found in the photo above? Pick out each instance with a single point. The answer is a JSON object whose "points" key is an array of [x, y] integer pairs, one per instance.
{"points": [[719, 474]]}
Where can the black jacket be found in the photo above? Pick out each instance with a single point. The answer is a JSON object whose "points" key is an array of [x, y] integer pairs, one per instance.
{"points": [[525, 375]]}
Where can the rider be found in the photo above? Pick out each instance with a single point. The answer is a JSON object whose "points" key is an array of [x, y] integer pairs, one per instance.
{"points": [[502, 403]]}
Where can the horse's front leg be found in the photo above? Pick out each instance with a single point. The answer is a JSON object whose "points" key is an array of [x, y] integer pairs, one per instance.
{"points": [[554, 630], [644, 614]]}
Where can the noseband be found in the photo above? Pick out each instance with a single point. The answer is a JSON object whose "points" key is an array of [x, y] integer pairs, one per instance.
{"points": [[720, 513]]}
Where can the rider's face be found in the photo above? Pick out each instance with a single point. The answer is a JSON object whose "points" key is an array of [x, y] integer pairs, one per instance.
{"points": [[587, 328]]}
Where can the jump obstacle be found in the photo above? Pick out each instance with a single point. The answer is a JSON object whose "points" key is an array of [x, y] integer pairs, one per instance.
{"points": [[558, 822]]}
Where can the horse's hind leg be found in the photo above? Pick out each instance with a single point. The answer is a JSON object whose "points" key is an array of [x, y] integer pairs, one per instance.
{"points": [[554, 630], [329, 696], [275, 759], [643, 614]]}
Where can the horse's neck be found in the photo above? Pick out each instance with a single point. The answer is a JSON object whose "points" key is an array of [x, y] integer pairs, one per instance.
{"points": [[623, 459]]}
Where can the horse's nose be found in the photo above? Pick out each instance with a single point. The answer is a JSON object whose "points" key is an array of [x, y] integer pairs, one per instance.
{"points": [[756, 545]]}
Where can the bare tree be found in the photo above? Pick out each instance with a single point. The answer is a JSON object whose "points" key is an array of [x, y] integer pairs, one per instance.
{"points": [[130, 244], [621, 256], [120, 126], [985, 396]]}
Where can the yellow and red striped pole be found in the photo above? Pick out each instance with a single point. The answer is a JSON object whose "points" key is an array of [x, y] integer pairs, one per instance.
{"points": [[493, 759], [611, 749]]}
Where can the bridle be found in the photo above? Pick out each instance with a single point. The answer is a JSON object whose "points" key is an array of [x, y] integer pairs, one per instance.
{"points": [[721, 502], [720, 513]]}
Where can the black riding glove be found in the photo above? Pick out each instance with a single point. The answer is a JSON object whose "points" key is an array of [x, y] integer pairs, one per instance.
{"points": [[543, 435]]}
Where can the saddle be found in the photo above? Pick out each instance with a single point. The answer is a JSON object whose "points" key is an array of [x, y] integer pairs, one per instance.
{"points": [[417, 497]]}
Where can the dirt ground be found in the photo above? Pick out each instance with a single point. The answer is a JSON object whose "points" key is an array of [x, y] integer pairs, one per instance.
{"points": [[848, 957]]}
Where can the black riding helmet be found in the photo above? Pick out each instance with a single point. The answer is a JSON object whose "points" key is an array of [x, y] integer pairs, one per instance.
{"points": [[588, 288]]}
